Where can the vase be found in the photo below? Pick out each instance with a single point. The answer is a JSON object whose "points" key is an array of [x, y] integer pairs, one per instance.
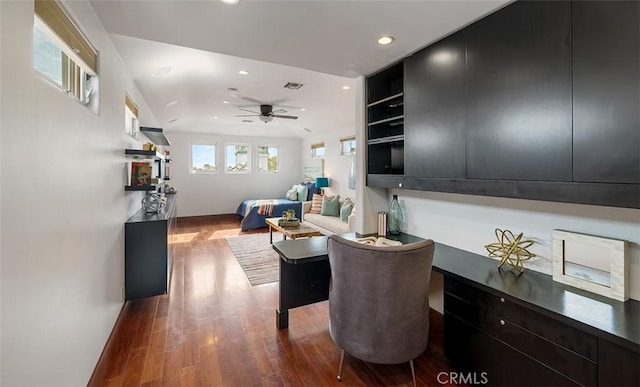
{"points": [[394, 217]]}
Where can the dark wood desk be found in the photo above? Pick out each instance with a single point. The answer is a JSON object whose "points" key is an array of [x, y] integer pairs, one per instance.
{"points": [[305, 272], [304, 275]]}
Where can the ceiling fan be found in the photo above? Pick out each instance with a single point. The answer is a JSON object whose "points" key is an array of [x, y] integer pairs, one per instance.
{"points": [[267, 114]]}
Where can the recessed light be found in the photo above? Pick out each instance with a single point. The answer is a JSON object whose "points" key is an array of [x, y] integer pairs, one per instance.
{"points": [[303, 109], [162, 71], [225, 101], [386, 39], [173, 120], [243, 72], [174, 102], [231, 2], [215, 117], [345, 87]]}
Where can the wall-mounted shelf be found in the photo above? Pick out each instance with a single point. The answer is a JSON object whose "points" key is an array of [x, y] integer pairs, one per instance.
{"points": [[156, 135], [144, 153], [139, 187]]}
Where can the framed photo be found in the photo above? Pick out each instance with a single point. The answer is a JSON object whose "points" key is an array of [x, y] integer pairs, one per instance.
{"points": [[140, 173], [596, 264]]}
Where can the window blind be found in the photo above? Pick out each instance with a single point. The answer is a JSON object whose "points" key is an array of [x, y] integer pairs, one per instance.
{"points": [[54, 16]]}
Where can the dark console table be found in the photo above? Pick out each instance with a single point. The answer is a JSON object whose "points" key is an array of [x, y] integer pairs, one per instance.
{"points": [[147, 253]]}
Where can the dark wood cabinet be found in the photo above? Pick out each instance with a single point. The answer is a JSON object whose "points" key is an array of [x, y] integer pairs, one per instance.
{"points": [[519, 93], [528, 330], [385, 121], [148, 254], [543, 105], [606, 96], [435, 124]]}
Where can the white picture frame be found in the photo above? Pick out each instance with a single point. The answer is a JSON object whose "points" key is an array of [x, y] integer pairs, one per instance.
{"points": [[597, 255]]}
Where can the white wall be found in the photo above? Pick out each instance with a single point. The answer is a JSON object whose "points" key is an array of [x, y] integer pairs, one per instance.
{"points": [[336, 166], [63, 208], [220, 193], [468, 222]]}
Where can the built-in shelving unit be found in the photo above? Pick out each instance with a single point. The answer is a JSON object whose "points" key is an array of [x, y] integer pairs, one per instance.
{"points": [[385, 121]]}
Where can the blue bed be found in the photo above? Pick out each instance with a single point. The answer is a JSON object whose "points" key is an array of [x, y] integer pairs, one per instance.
{"points": [[248, 210]]}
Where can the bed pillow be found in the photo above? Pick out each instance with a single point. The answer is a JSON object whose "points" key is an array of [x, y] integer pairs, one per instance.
{"points": [[316, 204], [330, 206], [345, 210], [302, 192], [311, 189], [292, 194]]}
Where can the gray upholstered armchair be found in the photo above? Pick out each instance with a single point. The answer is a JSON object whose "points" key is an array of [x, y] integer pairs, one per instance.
{"points": [[378, 300]]}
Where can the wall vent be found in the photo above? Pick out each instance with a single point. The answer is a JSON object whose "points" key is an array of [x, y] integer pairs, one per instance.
{"points": [[293, 85]]}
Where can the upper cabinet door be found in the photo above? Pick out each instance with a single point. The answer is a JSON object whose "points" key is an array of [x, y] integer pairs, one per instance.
{"points": [[519, 93], [606, 82], [434, 121]]}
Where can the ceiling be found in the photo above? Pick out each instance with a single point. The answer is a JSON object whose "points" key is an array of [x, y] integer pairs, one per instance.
{"points": [[322, 44]]}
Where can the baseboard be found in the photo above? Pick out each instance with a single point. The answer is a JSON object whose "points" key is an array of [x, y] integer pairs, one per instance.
{"points": [[95, 380]]}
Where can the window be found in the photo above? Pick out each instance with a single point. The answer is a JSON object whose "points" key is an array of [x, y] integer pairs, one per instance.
{"points": [[237, 160], [348, 145], [203, 158], [268, 160], [61, 53], [317, 150], [131, 124]]}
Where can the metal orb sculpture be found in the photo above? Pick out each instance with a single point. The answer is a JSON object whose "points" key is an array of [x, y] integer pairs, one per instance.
{"points": [[510, 249], [154, 202]]}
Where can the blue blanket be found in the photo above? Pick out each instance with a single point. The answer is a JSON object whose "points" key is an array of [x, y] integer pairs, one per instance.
{"points": [[249, 211]]}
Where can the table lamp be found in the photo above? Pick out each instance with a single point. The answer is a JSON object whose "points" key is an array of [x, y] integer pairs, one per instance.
{"points": [[322, 182]]}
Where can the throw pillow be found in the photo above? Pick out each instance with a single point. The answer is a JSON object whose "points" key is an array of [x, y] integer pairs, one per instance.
{"points": [[311, 189], [330, 206], [302, 192], [292, 194], [316, 204], [345, 210]]}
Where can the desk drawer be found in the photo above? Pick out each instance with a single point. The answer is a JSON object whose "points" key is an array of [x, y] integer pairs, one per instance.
{"points": [[548, 328]]}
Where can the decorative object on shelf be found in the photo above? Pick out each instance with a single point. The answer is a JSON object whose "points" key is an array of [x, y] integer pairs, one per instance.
{"points": [[149, 146], [154, 202], [394, 217], [510, 249], [140, 173], [321, 183], [169, 189], [382, 223], [289, 214], [596, 264]]}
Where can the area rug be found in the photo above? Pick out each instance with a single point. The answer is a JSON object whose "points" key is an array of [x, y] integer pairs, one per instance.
{"points": [[256, 257]]}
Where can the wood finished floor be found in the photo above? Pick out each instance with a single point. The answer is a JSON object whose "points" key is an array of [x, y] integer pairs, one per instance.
{"points": [[215, 329]]}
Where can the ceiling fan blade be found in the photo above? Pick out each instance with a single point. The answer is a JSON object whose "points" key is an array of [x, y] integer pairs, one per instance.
{"points": [[253, 100], [247, 115], [250, 111], [287, 117], [279, 111]]}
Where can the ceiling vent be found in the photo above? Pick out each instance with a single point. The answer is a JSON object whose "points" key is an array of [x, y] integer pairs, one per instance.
{"points": [[293, 85]]}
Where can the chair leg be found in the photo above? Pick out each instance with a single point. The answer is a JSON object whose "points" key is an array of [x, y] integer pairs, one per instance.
{"points": [[413, 372], [340, 367]]}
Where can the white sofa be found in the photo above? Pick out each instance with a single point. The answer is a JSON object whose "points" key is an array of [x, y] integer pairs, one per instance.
{"points": [[327, 224]]}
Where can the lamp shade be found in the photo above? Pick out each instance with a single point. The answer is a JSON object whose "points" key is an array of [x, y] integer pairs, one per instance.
{"points": [[322, 182]]}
